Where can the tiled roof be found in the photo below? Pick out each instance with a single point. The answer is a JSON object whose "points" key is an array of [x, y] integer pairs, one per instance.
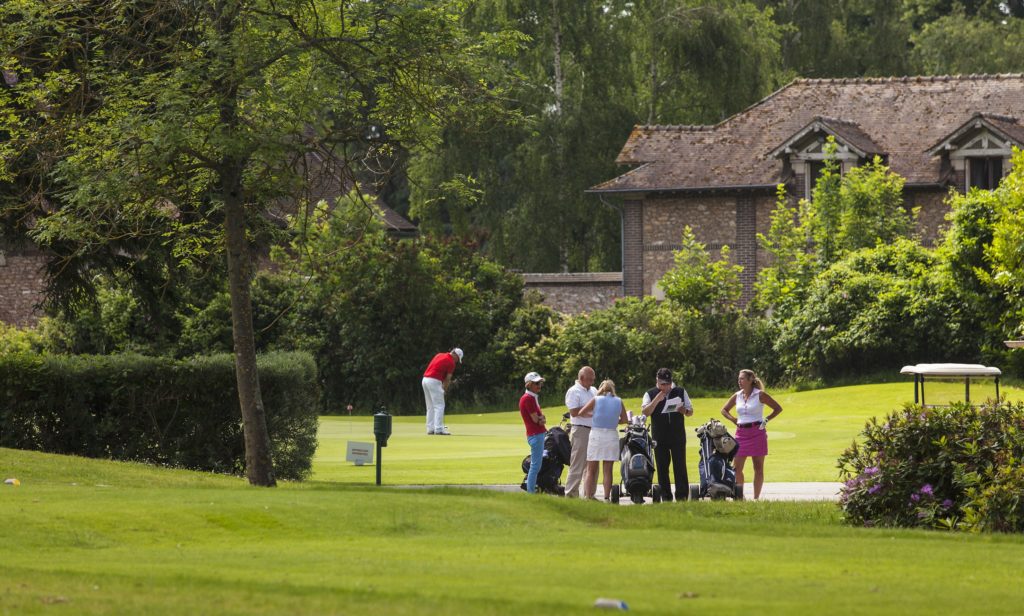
{"points": [[327, 179], [848, 133], [902, 117], [1003, 126]]}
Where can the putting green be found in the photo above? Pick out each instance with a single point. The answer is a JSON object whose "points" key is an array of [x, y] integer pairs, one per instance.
{"points": [[804, 442]]}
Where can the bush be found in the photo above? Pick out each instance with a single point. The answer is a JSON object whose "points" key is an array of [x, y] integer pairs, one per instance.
{"points": [[15, 340], [952, 467], [631, 340], [157, 410], [373, 311], [877, 308]]}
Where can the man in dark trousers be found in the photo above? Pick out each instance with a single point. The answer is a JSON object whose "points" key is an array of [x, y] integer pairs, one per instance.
{"points": [[666, 405]]}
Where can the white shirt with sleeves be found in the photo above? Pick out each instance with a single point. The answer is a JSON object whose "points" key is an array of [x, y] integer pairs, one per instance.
{"points": [[575, 398]]}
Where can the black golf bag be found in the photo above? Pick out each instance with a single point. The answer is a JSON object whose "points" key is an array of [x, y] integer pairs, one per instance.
{"points": [[557, 450], [637, 464], [717, 477]]}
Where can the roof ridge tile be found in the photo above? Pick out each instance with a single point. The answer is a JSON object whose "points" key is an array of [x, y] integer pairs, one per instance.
{"points": [[904, 79]]}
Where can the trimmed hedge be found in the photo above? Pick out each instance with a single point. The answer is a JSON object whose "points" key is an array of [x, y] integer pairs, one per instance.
{"points": [[181, 413]]}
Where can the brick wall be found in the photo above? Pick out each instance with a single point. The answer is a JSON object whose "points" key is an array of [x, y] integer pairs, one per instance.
{"points": [[745, 248], [798, 187], [633, 248], [931, 218], [653, 229], [764, 205], [21, 284], [576, 293]]}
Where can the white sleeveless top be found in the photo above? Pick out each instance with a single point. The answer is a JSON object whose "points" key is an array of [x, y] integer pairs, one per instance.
{"points": [[749, 410]]}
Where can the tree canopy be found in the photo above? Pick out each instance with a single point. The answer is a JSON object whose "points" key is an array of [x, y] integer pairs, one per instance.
{"points": [[147, 134]]}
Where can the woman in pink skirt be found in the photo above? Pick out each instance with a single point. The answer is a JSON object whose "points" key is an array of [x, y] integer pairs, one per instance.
{"points": [[751, 425]]}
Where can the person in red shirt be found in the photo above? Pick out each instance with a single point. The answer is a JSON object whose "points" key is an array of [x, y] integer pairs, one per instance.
{"points": [[436, 379], [534, 420]]}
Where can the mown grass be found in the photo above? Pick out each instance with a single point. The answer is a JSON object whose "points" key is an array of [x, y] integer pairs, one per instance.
{"points": [[93, 537], [805, 440]]}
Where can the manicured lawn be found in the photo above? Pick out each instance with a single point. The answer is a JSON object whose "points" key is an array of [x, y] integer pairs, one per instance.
{"points": [[805, 440], [84, 536]]}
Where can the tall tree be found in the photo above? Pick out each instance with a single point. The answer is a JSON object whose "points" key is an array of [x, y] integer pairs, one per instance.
{"points": [[186, 124], [592, 70], [962, 44]]}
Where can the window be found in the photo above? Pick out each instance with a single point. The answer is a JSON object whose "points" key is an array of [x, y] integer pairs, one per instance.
{"points": [[984, 173], [814, 170]]}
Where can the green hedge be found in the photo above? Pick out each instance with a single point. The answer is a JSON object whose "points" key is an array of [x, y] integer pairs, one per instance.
{"points": [[181, 413]]}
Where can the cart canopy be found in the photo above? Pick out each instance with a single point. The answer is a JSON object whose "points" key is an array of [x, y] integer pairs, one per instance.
{"points": [[952, 370]]}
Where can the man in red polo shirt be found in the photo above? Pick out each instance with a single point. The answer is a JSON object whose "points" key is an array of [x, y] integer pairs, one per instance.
{"points": [[435, 385], [534, 420]]}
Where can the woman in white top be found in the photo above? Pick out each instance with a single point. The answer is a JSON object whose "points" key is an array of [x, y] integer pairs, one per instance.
{"points": [[751, 431], [607, 411]]}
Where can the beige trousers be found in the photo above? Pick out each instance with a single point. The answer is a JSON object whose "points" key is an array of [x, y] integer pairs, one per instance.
{"points": [[580, 437]]}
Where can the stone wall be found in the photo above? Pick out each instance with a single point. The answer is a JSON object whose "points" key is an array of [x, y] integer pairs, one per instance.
{"points": [[576, 293], [712, 218], [21, 284]]}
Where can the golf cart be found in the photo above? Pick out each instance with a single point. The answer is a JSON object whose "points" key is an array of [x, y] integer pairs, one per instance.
{"points": [[922, 372]]}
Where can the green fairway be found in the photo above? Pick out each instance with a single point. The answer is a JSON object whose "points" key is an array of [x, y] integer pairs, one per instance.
{"points": [[85, 536], [805, 440]]}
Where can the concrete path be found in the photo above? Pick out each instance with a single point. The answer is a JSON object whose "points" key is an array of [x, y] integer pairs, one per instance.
{"points": [[796, 491]]}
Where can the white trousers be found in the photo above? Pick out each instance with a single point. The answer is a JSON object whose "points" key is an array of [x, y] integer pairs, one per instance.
{"points": [[433, 393]]}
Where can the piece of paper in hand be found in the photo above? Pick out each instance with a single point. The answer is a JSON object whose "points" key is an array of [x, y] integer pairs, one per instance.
{"points": [[673, 405]]}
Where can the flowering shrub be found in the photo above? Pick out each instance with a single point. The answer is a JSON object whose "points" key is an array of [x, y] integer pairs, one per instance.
{"points": [[994, 501], [953, 467]]}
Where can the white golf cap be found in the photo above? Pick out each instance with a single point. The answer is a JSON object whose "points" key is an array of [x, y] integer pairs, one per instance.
{"points": [[533, 377], [458, 352]]}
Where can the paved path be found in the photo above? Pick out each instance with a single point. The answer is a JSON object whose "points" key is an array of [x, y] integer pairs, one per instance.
{"points": [[796, 491]]}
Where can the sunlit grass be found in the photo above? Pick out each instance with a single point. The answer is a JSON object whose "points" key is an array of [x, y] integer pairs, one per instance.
{"points": [[92, 537], [804, 442]]}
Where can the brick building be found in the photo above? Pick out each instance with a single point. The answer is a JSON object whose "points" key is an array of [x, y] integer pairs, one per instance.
{"points": [[939, 133], [21, 282]]}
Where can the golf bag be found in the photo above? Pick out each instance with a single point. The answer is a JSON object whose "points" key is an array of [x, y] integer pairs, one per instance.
{"points": [[717, 477], [557, 450], [637, 464]]}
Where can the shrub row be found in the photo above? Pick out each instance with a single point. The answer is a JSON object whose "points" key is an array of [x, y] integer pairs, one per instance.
{"points": [[631, 340], [952, 468], [181, 413]]}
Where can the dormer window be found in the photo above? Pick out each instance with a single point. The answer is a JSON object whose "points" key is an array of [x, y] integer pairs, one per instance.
{"points": [[978, 152], [982, 156], [804, 152], [984, 172]]}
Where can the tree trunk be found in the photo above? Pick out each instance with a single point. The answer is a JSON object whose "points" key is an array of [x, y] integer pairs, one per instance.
{"points": [[556, 26], [259, 468]]}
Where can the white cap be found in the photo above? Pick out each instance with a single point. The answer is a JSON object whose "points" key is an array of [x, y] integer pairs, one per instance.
{"points": [[458, 352], [533, 377]]}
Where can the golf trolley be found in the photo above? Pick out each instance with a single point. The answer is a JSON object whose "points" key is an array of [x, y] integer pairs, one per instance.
{"points": [[637, 464], [717, 476], [557, 451]]}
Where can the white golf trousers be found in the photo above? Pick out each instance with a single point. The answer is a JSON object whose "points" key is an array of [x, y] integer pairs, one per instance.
{"points": [[433, 393]]}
